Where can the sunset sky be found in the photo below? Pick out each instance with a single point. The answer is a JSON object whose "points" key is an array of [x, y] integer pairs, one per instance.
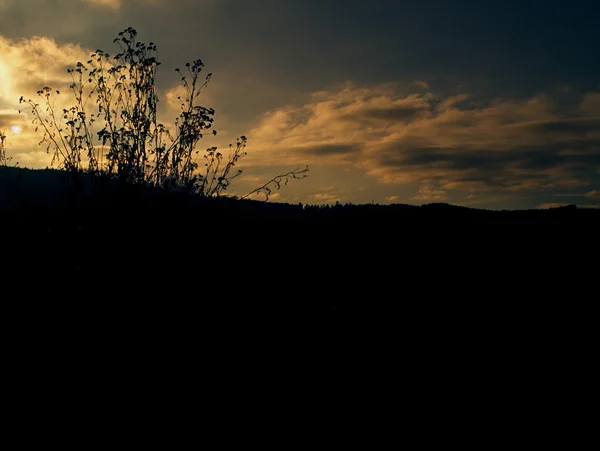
{"points": [[489, 104]]}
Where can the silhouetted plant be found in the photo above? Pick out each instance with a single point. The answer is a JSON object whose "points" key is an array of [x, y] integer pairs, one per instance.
{"points": [[275, 182], [4, 159], [67, 136], [140, 149], [2, 148]]}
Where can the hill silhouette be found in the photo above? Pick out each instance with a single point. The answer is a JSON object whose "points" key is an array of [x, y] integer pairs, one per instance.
{"points": [[49, 191], [488, 314], [83, 223]]}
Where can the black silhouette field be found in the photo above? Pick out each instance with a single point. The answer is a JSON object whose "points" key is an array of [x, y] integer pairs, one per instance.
{"points": [[475, 320]]}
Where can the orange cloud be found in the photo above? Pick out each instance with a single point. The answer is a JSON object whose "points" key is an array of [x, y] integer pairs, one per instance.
{"points": [[443, 145]]}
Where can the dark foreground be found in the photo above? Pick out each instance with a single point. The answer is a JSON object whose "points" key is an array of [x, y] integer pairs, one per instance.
{"points": [[357, 322]]}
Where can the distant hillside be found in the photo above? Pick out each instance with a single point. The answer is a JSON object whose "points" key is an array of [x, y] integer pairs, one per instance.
{"points": [[90, 224], [47, 191], [99, 223]]}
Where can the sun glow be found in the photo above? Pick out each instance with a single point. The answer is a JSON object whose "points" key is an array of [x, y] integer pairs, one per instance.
{"points": [[15, 129]]}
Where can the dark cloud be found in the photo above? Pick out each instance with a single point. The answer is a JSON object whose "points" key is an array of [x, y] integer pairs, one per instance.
{"points": [[484, 167], [494, 167], [311, 43], [568, 127], [326, 150], [392, 113]]}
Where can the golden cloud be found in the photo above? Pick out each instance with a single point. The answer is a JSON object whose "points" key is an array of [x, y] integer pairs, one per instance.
{"points": [[439, 144], [26, 66]]}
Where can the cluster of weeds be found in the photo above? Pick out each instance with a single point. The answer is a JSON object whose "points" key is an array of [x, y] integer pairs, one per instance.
{"points": [[4, 158], [118, 94]]}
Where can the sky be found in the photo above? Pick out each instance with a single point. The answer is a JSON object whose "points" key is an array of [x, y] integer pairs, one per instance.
{"points": [[486, 104]]}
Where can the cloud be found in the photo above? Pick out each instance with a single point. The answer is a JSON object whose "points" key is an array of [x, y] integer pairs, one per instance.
{"points": [[329, 149], [593, 194], [325, 198], [548, 205], [9, 118], [590, 105], [419, 84], [430, 193], [113, 4], [26, 66], [117, 4], [5, 5], [336, 124], [447, 147]]}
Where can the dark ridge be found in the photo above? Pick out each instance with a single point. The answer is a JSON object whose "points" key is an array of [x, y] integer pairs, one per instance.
{"points": [[489, 314], [52, 192]]}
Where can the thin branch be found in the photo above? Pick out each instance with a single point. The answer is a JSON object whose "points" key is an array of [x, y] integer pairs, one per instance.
{"points": [[277, 181]]}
